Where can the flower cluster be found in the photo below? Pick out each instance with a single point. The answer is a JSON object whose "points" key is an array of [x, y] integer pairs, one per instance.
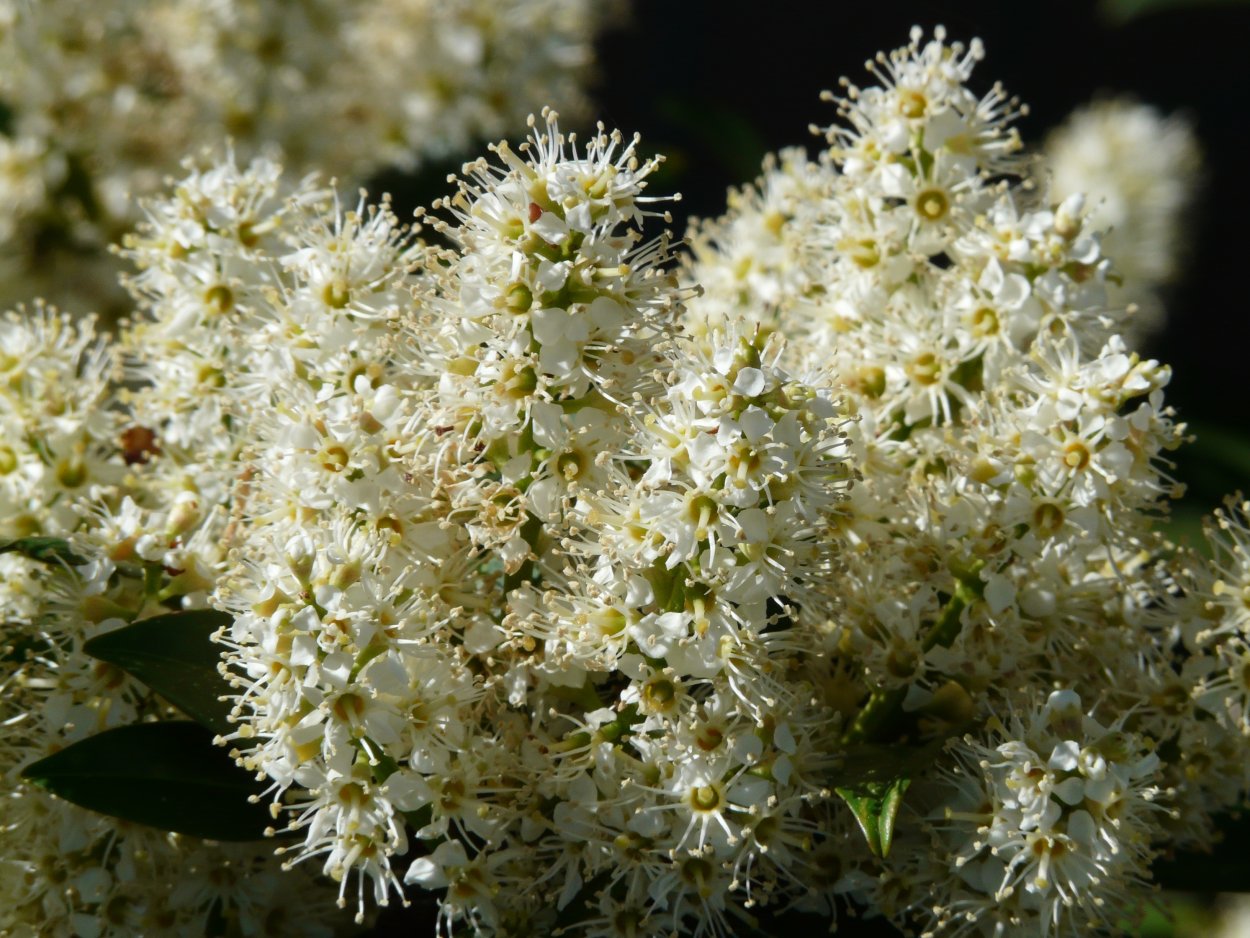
{"points": [[1138, 171], [71, 465], [605, 595], [1002, 540], [510, 560], [102, 101], [1048, 827]]}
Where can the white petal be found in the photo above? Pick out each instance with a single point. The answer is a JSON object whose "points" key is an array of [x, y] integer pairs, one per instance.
{"points": [[551, 228], [749, 382], [999, 593]]}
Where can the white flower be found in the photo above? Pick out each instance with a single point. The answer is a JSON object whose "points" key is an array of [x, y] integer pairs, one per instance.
{"points": [[1054, 814]]}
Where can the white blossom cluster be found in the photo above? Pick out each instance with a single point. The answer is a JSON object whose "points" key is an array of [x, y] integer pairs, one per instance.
{"points": [[102, 100], [606, 604], [509, 558], [1138, 171], [71, 465], [1000, 565]]}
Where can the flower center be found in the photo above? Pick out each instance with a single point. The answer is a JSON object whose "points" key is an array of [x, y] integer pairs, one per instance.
{"points": [[932, 204]]}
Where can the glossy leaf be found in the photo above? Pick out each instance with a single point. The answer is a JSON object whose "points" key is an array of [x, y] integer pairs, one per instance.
{"points": [[174, 655], [166, 775], [54, 550], [875, 806]]}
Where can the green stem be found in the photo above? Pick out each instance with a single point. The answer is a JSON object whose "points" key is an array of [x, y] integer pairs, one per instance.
{"points": [[884, 705], [881, 707], [944, 631]]}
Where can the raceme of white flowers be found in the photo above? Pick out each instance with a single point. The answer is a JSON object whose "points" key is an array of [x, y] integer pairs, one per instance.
{"points": [[104, 98], [68, 462], [1138, 171], [593, 589]]}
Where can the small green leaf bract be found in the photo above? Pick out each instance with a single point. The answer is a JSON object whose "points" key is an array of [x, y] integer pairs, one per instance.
{"points": [[174, 655], [875, 806], [166, 775]]}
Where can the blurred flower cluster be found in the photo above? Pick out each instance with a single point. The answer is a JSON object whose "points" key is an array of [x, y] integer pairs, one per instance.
{"points": [[101, 101], [609, 592], [1138, 171]]}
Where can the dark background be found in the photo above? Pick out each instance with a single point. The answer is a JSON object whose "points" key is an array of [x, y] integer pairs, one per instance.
{"points": [[716, 85]]}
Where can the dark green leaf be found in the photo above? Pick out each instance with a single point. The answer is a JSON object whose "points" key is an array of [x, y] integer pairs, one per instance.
{"points": [[174, 655], [875, 806], [44, 549], [166, 775]]}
